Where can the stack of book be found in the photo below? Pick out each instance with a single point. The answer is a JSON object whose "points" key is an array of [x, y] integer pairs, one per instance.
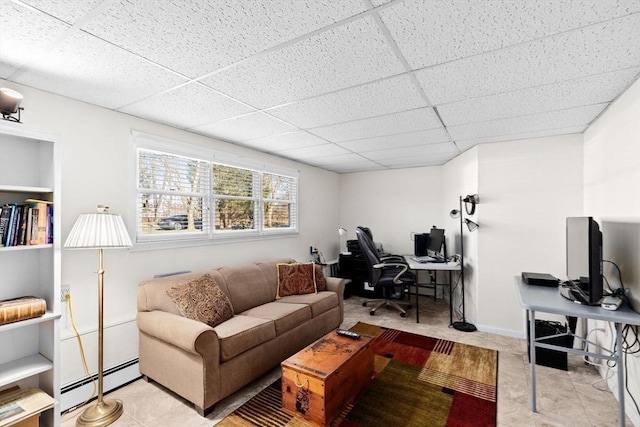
{"points": [[29, 223], [22, 408]]}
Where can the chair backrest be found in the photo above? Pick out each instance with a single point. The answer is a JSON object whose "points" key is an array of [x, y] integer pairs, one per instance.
{"points": [[370, 254]]}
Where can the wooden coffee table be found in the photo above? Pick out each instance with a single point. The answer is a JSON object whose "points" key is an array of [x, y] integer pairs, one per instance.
{"points": [[320, 379]]}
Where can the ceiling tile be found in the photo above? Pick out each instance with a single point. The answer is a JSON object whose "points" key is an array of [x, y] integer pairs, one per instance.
{"points": [[440, 31], [345, 163], [418, 161], [284, 141], [351, 54], [406, 121], [187, 106], [313, 151], [573, 117], [250, 126], [444, 148], [24, 35], [555, 96], [195, 37], [588, 51], [373, 99], [69, 11], [464, 145], [395, 141], [94, 71]]}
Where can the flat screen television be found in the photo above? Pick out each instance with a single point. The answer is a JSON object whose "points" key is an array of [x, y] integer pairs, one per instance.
{"points": [[584, 258]]}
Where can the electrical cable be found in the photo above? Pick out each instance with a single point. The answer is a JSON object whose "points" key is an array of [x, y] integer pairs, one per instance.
{"points": [[83, 357]]}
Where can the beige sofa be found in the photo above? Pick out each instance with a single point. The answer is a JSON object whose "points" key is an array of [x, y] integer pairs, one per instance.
{"points": [[205, 364]]}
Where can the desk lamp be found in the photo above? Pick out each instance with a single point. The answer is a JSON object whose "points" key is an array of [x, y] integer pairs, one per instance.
{"points": [[101, 230]]}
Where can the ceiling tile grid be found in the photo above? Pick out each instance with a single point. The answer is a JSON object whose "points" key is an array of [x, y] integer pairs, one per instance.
{"points": [[347, 86], [372, 99], [187, 106], [91, 70], [390, 124], [341, 57], [196, 37]]}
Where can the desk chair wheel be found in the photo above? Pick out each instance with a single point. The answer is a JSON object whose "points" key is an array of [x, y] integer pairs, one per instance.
{"points": [[372, 312], [364, 304], [404, 314]]}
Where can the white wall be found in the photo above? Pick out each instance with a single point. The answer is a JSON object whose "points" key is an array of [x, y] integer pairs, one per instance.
{"points": [[393, 204], [95, 170], [612, 196], [527, 189]]}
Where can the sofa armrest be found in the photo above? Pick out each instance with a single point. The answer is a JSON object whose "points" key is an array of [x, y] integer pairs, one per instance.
{"points": [[335, 284], [189, 335]]}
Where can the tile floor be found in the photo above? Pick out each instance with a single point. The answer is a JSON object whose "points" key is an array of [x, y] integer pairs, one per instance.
{"points": [[565, 398]]}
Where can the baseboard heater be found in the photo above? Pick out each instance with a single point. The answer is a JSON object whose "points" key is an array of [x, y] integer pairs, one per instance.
{"points": [[78, 392]]}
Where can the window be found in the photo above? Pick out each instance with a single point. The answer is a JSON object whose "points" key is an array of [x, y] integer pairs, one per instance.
{"points": [[186, 193]]}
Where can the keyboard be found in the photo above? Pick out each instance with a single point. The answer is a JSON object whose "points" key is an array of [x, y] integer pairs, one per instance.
{"points": [[423, 259]]}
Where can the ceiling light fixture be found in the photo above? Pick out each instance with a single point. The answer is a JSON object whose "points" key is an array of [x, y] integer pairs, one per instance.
{"points": [[10, 104]]}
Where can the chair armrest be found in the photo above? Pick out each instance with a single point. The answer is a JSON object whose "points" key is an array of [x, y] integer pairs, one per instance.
{"points": [[393, 258], [403, 269], [179, 331]]}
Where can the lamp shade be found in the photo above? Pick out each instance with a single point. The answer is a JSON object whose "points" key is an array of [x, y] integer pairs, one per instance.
{"points": [[342, 231], [98, 230], [472, 226], [9, 100]]}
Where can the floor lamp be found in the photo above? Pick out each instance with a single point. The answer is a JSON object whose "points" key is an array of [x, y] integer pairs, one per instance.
{"points": [[100, 230], [470, 207]]}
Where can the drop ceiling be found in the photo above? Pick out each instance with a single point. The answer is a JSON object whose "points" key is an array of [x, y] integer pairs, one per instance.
{"points": [[345, 85]]}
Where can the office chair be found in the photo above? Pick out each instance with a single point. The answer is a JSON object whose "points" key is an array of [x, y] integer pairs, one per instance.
{"points": [[386, 275]]}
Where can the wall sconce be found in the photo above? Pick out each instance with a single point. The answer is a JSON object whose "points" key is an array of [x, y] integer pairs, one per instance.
{"points": [[470, 207], [10, 104]]}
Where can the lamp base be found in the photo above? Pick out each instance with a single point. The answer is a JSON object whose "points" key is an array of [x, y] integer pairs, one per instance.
{"points": [[101, 414], [464, 326]]}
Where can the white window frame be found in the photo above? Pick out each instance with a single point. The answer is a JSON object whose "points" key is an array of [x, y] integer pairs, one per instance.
{"points": [[208, 235]]}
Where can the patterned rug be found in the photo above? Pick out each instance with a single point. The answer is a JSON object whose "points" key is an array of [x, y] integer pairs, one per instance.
{"points": [[417, 381]]}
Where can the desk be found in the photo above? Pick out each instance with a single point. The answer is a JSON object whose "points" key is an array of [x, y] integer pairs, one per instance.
{"points": [[433, 266], [549, 300]]}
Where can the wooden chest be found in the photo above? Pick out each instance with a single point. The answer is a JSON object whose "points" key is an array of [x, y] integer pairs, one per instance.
{"points": [[319, 380]]}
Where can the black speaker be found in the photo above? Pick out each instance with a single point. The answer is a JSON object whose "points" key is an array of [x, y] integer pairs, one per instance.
{"points": [[420, 242]]}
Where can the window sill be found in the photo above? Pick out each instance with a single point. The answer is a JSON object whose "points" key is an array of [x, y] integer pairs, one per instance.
{"points": [[218, 240]]}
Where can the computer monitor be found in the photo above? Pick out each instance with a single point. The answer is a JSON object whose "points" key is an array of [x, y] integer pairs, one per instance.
{"points": [[436, 242], [420, 242], [584, 257]]}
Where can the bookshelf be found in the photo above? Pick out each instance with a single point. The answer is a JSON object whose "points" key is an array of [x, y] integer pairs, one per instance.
{"points": [[30, 349]]}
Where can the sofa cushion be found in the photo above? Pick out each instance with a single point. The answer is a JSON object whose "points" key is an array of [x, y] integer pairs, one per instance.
{"points": [[202, 299], [241, 333], [319, 303], [284, 316], [248, 286], [296, 279]]}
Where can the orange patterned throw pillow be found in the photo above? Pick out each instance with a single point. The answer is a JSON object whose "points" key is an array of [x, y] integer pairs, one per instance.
{"points": [[202, 299], [296, 279]]}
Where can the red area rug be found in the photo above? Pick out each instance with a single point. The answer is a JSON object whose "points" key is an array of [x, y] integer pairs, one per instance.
{"points": [[417, 381]]}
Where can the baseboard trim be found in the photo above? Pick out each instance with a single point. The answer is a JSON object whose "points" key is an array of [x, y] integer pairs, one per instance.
{"points": [[78, 392]]}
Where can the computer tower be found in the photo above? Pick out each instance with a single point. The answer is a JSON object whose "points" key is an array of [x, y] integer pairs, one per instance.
{"points": [[546, 357]]}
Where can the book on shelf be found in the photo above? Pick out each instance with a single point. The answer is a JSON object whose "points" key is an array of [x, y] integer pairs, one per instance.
{"points": [[23, 308], [29, 223], [21, 405]]}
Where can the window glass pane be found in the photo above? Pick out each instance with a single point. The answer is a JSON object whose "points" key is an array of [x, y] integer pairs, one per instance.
{"points": [[277, 215], [277, 187], [162, 214], [230, 181], [234, 214]]}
